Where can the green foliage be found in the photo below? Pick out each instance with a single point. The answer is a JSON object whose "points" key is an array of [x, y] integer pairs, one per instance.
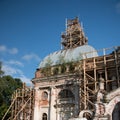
{"points": [[48, 63], [61, 59], [71, 66], [63, 68], [8, 85], [47, 69]]}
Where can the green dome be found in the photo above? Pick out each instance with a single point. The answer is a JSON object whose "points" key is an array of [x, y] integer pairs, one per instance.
{"points": [[74, 54]]}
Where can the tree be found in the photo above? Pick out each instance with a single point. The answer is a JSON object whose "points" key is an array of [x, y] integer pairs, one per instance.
{"points": [[8, 85]]}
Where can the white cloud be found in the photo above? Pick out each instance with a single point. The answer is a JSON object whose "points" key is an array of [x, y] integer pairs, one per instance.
{"points": [[10, 70], [118, 7], [13, 51], [15, 62], [15, 72], [31, 57], [3, 48], [25, 79]]}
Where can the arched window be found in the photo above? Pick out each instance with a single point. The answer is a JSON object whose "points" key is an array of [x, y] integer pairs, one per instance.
{"points": [[44, 95], [44, 116]]}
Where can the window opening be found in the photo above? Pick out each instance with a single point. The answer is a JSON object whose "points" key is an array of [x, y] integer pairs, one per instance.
{"points": [[44, 117], [44, 95]]}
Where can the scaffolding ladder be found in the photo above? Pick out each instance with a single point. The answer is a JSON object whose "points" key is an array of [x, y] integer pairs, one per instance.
{"points": [[21, 107]]}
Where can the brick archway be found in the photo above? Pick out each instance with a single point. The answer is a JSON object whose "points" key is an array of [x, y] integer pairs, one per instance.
{"points": [[111, 108], [116, 112]]}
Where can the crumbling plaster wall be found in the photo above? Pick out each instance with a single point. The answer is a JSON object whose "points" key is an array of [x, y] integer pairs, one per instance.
{"points": [[105, 109]]}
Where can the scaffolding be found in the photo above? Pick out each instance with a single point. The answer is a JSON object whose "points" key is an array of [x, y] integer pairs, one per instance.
{"points": [[22, 103], [74, 35], [105, 67]]}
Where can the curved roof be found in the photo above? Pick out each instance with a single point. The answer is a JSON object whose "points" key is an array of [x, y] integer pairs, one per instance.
{"points": [[74, 54]]}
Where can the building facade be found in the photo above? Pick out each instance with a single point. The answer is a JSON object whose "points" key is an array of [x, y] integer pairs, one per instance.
{"points": [[78, 82]]}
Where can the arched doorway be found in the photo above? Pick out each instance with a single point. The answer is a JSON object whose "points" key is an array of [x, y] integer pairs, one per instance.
{"points": [[116, 112], [66, 101]]}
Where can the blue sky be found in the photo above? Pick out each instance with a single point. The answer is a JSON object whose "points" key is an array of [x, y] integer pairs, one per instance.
{"points": [[31, 29]]}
